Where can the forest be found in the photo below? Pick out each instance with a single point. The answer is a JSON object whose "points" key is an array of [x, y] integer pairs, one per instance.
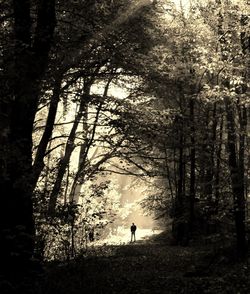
{"points": [[102, 98]]}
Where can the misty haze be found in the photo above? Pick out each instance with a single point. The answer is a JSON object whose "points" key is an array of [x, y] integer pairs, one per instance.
{"points": [[125, 146]]}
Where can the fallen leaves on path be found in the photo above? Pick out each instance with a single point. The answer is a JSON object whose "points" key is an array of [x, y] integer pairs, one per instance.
{"points": [[149, 266]]}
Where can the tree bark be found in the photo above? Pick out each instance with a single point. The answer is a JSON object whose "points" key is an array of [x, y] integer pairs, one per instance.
{"points": [[84, 151], [180, 174], [38, 164], [76, 186], [218, 165], [70, 146], [237, 181], [192, 163], [16, 212]]}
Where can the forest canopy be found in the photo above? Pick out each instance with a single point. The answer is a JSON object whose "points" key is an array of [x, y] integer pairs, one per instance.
{"points": [[154, 90]]}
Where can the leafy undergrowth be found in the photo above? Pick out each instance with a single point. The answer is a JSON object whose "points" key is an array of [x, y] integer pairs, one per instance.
{"points": [[149, 266]]}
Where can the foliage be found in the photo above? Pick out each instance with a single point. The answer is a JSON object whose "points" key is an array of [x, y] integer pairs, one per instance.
{"points": [[145, 89]]}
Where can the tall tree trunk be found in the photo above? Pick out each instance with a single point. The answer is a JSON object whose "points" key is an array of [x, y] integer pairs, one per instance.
{"points": [[180, 188], [242, 138], [210, 170], [180, 226], [84, 151], [76, 186], [237, 181], [16, 212], [234, 165], [192, 162], [64, 162], [206, 167], [218, 165], [38, 164]]}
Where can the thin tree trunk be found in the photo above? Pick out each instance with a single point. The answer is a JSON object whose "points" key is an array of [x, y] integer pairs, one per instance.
{"points": [[180, 175], [237, 182], [242, 144], [169, 177], [38, 164], [218, 165], [66, 186], [192, 163], [76, 187], [70, 146], [210, 170]]}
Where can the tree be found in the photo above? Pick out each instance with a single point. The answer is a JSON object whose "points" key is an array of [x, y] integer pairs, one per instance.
{"points": [[94, 62], [24, 74]]}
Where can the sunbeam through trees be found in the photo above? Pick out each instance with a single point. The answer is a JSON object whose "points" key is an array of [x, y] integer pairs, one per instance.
{"points": [[116, 112]]}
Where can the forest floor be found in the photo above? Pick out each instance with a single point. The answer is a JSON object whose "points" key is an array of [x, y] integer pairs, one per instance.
{"points": [[152, 265]]}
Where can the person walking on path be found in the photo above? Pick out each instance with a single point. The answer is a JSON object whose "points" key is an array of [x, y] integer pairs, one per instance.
{"points": [[133, 229], [91, 235]]}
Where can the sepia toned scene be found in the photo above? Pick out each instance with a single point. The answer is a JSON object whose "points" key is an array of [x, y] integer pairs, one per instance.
{"points": [[125, 146]]}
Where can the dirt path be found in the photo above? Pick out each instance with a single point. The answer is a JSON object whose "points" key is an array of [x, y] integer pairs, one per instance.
{"points": [[150, 266]]}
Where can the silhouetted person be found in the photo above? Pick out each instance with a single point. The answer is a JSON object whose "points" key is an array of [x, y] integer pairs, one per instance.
{"points": [[91, 235], [133, 229]]}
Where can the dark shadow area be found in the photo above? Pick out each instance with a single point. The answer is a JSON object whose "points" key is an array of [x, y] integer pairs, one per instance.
{"points": [[148, 266]]}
